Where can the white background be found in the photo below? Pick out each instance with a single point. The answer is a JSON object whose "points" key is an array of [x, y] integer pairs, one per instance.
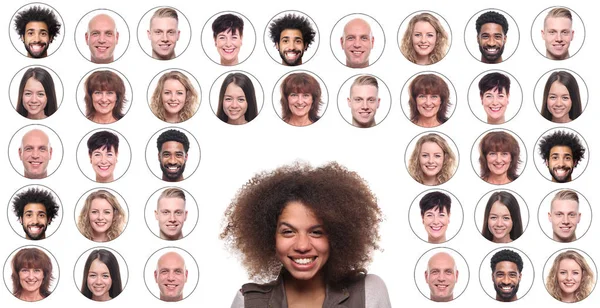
{"points": [[456, 218], [233, 154]]}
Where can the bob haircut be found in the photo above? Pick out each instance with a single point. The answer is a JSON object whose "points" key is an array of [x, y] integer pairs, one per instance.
{"points": [[300, 83], [112, 264], [104, 81], [511, 203], [499, 142], [31, 258], [448, 168], [245, 83], [191, 96], [41, 75], [441, 41], [567, 80], [429, 84], [335, 195], [119, 218], [586, 285]]}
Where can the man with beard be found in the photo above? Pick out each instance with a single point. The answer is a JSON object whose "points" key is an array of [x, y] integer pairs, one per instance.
{"points": [[173, 147], [561, 151], [491, 36], [507, 267], [37, 27], [35, 208], [292, 35]]}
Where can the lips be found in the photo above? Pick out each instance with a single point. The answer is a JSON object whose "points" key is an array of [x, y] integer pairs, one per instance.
{"points": [[37, 47], [492, 50], [164, 47], [291, 55]]}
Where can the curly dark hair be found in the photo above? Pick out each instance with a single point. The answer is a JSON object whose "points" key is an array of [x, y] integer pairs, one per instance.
{"points": [[173, 135], [35, 195], [507, 255], [562, 138], [491, 17], [291, 21], [339, 198], [37, 13]]}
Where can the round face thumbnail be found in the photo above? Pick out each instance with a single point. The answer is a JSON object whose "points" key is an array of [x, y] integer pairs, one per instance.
{"points": [[424, 38], [101, 216], [235, 104], [173, 97], [99, 281], [500, 223], [34, 99]]}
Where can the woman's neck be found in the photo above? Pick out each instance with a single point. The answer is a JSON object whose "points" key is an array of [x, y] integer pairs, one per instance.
{"points": [[496, 120], [430, 181], [503, 240], [103, 298], [37, 116], [99, 237], [238, 121], [230, 62], [423, 60], [305, 293], [563, 119], [31, 296], [498, 179], [172, 118], [428, 122], [297, 121], [567, 297], [103, 118]]}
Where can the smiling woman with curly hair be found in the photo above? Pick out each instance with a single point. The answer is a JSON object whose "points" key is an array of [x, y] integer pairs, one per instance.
{"points": [[570, 279], [311, 229]]}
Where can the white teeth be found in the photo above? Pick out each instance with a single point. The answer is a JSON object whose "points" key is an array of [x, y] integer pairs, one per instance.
{"points": [[304, 261], [173, 168], [506, 288], [436, 228]]}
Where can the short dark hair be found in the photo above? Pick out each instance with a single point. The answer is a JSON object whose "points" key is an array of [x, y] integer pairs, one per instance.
{"points": [[37, 13], [507, 255], [173, 135], [562, 138], [101, 140], [291, 21], [35, 195], [493, 81], [491, 17], [226, 23], [435, 200]]}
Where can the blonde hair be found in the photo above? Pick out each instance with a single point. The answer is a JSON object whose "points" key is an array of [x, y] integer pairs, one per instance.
{"points": [[119, 216], [587, 276], [191, 96], [448, 167], [441, 43]]}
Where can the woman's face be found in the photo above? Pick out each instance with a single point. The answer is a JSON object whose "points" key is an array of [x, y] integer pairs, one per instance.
{"points": [[301, 243], [424, 38], [559, 102], [428, 105], [99, 281], [31, 279], [103, 162], [104, 101], [431, 159], [500, 223], [228, 45], [569, 276], [494, 103], [34, 99], [101, 215], [436, 223], [173, 97], [498, 162], [234, 103], [300, 104]]}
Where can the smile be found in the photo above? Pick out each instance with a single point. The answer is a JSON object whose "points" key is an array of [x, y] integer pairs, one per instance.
{"points": [[492, 50], [37, 47], [304, 261], [228, 51]]}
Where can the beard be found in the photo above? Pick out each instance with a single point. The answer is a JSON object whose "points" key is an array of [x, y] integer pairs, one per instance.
{"points": [[503, 295], [294, 62], [170, 175], [35, 237], [492, 58], [39, 54], [561, 178]]}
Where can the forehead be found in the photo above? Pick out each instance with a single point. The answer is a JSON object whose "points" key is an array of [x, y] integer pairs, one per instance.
{"points": [[437, 209], [495, 90], [230, 32], [171, 203], [569, 263], [104, 149], [172, 146], [291, 33], [441, 261], [102, 22], [357, 27], [163, 23], [558, 23], [36, 138], [171, 262], [35, 207], [492, 28], [561, 149], [172, 83], [431, 146], [565, 205], [364, 90], [100, 203], [423, 26], [35, 25], [506, 266]]}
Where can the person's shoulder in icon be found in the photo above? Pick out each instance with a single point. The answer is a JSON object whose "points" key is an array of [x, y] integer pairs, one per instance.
{"points": [[171, 276], [237, 100], [558, 33], [429, 100], [102, 218], [101, 276], [364, 101], [36, 209], [173, 147], [103, 150], [441, 276], [175, 99], [37, 95], [502, 221], [228, 32], [31, 274], [300, 99], [499, 158], [171, 213], [571, 278], [494, 91], [164, 33], [102, 37], [435, 213], [292, 35], [425, 40], [564, 216], [357, 42], [37, 27], [35, 152], [507, 269], [562, 100], [104, 97], [491, 36], [562, 151]]}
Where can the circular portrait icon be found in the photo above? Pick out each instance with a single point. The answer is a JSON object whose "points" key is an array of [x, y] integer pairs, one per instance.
{"points": [[428, 99], [36, 30], [104, 95], [164, 33], [171, 274], [31, 273], [562, 33], [34, 147], [302, 97], [431, 213], [102, 36], [35, 212], [446, 274], [502, 216], [431, 158], [357, 40], [100, 274], [565, 215], [174, 210], [228, 38], [101, 215], [291, 38], [424, 37], [361, 97], [109, 155], [236, 97], [169, 151], [511, 272], [490, 95], [174, 95], [498, 156], [36, 92], [562, 155], [560, 96], [487, 36], [570, 275]]}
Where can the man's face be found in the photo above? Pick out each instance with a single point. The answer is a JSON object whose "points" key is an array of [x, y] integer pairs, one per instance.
{"points": [[441, 276], [357, 43], [163, 35], [36, 39], [491, 40], [102, 38], [564, 216], [560, 163], [35, 153], [291, 47], [171, 276], [172, 159], [558, 35], [506, 279], [171, 215], [34, 221], [363, 103]]}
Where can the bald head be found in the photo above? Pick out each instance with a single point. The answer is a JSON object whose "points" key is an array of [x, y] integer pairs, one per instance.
{"points": [[102, 38], [441, 276], [171, 276], [357, 42], [35, 152]]}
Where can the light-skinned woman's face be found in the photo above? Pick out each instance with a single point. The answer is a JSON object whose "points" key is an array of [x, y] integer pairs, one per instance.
{"points": [[500, 223], [173, 97], [31, 279], [300, 104], [99, 281], [559, 102], [235, 103], [34, 99], [569, 276], [431, 159], [498, 162], [101, 215], [424, 38], [428, 105], [104, 101]]}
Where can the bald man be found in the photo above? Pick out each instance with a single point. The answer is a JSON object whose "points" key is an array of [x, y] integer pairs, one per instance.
{"points": [[102, 38], [357, 43], [35, 152], [171, 276], [441, 276]]}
